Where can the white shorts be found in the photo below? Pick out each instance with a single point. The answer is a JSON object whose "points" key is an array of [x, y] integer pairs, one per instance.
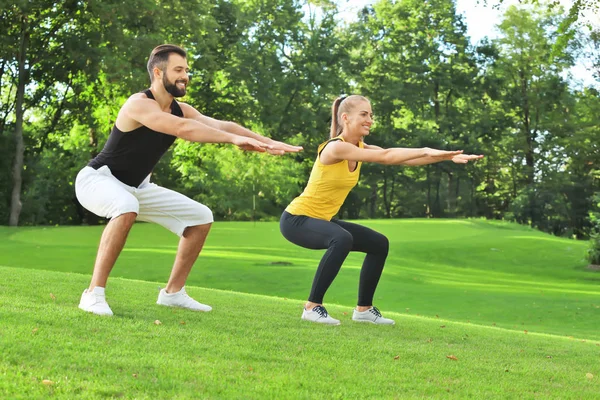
{"points": [[106, 196]]}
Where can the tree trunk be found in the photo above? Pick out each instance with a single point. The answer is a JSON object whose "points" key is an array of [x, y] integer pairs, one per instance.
{"points": [[15, 201], [386, 203], [428, 210], [93, 136], [436, 103], [474, 212], [529, 150], [392, 193], [437, 212], [451, 200], [373, 202]]}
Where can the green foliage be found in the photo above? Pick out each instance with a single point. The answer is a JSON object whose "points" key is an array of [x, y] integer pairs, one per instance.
{"points": [[414, 61], [275, 66], [235, 184], [594, 247]]}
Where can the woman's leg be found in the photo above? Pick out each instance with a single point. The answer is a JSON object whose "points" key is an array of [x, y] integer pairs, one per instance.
{"points": [[314, 233], [376, 246]]}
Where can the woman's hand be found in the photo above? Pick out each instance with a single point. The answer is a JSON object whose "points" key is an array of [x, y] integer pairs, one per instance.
{"points": [[441, 154], [465, 158]]}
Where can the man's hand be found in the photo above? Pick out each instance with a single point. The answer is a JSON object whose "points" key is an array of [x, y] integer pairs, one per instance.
{"points": [[249, 144], [465, 158], [281, 148]]}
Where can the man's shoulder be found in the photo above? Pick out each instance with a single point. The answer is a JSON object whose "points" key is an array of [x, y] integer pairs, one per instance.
{"points": [[139, 95], [134, 100]]}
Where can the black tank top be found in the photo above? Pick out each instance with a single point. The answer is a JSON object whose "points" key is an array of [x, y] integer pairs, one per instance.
{"points": [[132, 155]]}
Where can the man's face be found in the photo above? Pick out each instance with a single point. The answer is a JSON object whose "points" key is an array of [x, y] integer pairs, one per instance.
{"points": [[175, 76]]}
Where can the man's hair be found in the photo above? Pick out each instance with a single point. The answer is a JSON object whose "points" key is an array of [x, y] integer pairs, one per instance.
{"points": [[160, 56]]}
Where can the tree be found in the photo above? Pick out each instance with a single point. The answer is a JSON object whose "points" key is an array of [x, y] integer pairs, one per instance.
{"points": [[534, 94], [567, 28], [413, 60], [277, 74], [52, 57]]}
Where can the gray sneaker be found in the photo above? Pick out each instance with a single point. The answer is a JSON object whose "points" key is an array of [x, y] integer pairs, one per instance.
{"points": [[371, 315], [319, 314], [180, 299], [95, 302]]}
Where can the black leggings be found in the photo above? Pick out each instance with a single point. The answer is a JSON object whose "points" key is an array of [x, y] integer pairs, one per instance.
{"points": [[339, 238]]}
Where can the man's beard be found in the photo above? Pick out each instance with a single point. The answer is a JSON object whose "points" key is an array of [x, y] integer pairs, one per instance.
{"points": [[172, 87]]}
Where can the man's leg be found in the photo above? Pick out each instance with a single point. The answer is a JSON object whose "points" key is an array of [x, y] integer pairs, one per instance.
{"points": [[190, 245], [101, 193], [186, 218], [111, 243]]}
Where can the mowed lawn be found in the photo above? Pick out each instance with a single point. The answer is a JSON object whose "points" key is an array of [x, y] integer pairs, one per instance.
{"points": [[479, 272], [482, 309]]}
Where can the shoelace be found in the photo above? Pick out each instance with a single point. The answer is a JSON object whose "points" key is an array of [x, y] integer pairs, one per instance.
{"points": [[186, 297], [98, 298], [375, 311], [321, 311]]}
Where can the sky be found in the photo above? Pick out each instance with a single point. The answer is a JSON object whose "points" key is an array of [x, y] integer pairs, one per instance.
{"points": [[481, 21]]}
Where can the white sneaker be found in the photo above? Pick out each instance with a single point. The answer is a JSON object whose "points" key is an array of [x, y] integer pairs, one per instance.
{"points": [[180, 299], [319, 314], [371, 315], [95, 302]]}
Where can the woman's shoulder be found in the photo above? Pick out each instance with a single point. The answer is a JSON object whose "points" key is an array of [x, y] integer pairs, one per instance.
{"points": [[325, 143]]}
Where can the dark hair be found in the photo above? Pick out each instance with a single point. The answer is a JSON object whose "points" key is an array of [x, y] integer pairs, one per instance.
{"points": [[160, 56], [342, 104]]}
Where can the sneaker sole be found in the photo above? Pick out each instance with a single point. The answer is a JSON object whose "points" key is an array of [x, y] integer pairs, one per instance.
{"points": [[183, 308], [371, 322], [95, 313], [321, 323]]}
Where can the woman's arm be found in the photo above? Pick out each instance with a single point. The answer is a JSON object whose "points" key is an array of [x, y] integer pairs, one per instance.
{"points": [[335, 152], [459, 159]]}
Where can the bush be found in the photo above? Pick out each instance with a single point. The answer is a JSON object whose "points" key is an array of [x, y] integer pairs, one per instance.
{"points": [[594, 249]]}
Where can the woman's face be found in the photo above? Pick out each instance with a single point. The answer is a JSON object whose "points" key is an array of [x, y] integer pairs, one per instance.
{"points": [[359, 119]]}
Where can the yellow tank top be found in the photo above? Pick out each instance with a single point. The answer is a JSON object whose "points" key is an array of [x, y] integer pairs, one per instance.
{"points": [[327, 188]]}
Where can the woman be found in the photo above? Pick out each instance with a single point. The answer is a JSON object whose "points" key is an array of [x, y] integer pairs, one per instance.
{"points": [[308, 222]]}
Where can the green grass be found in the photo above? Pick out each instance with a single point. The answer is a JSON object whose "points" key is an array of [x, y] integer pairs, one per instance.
{"points": [[516, 307], [470, 271]]}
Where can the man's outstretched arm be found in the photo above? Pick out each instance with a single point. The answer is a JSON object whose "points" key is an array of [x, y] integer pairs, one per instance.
{"points": [[147, 112], [236, 129]]}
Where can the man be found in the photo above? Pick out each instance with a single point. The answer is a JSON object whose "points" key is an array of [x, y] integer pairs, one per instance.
{"points": [[116, 184]]}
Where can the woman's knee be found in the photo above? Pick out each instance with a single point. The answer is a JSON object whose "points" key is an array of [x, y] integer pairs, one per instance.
{"points": [[380, 244], [342, 239]]}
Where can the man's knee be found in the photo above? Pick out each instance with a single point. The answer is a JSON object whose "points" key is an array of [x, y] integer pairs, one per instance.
{"points": [[127, 217], [204, 213], [199, 231]]}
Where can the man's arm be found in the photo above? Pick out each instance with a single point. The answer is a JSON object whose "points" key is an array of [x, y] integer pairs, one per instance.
{"points": [[140, 110], [236, 129]]}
